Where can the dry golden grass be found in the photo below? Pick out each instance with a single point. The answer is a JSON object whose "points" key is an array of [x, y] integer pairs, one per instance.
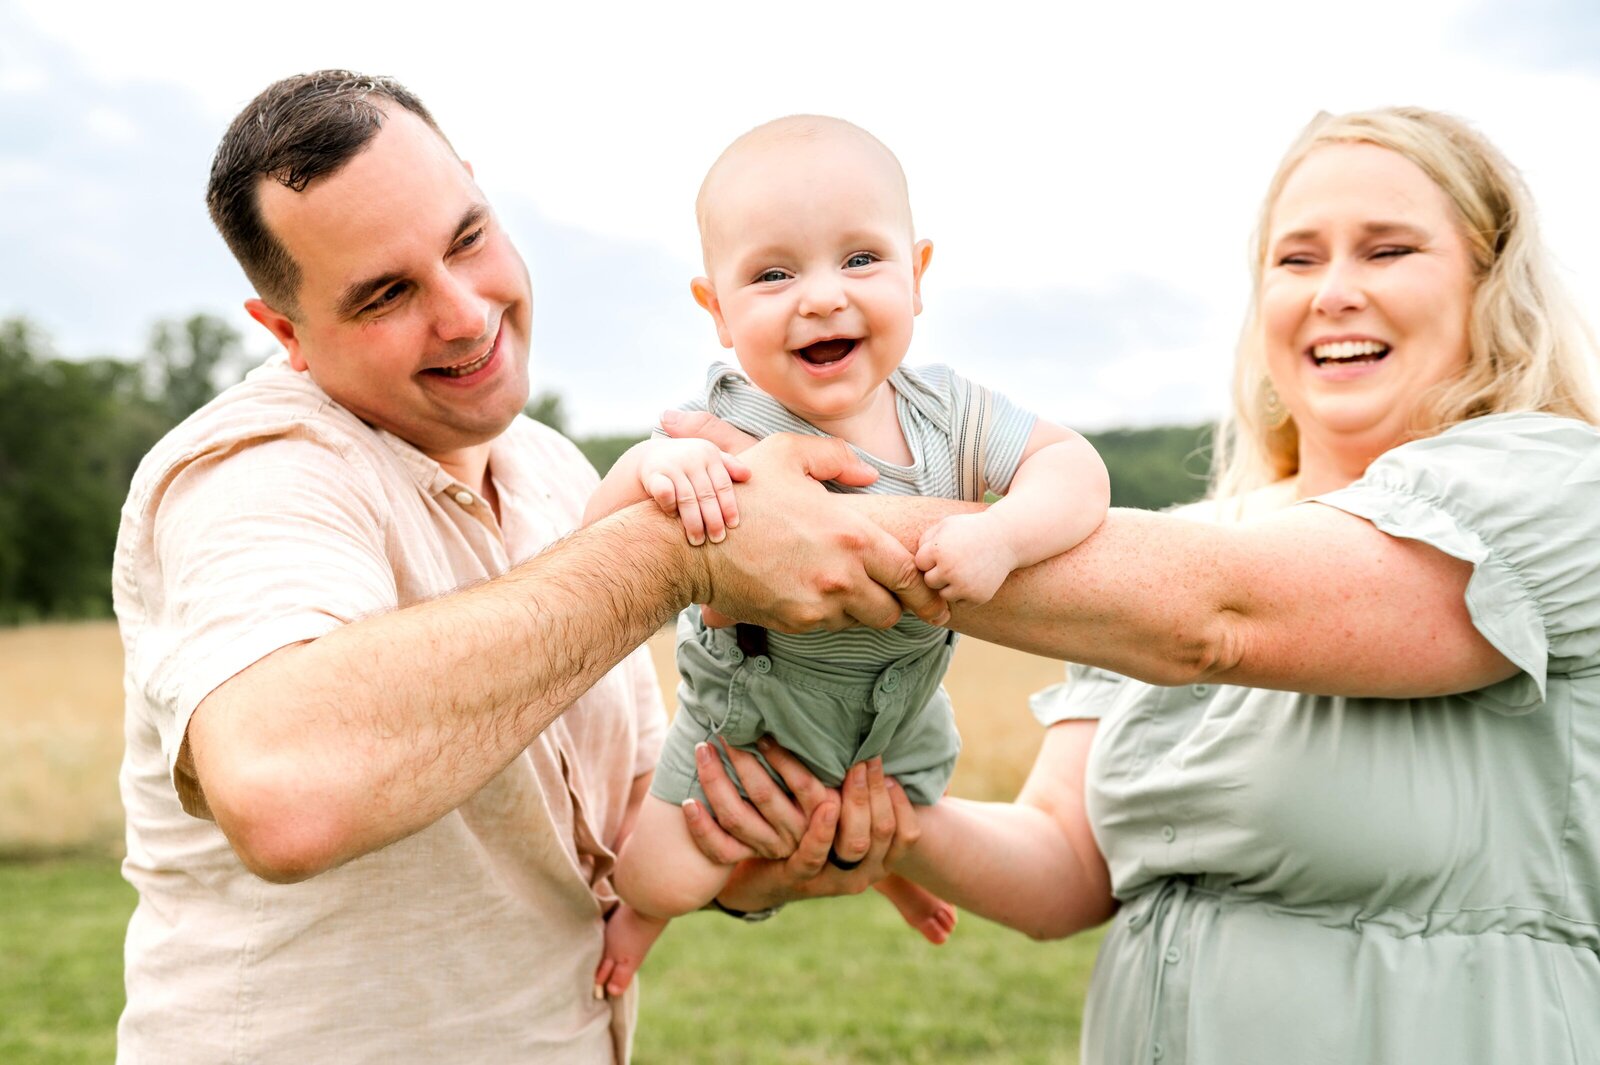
{"points": [[61, 728]]}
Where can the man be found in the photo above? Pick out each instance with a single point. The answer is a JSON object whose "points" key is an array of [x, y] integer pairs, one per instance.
{"points": [[377, 771]]}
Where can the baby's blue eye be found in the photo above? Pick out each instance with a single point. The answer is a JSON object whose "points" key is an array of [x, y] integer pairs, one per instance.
{"points": [[771, 276], [860, 259]]}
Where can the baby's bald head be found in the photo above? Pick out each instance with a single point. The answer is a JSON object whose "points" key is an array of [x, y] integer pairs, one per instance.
{"points": [[787, 143]]}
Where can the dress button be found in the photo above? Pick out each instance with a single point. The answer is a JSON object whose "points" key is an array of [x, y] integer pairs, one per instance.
{"points": [[1169, 833], [1201, 690], [763, 664], [1173, 955], [464, 497]]}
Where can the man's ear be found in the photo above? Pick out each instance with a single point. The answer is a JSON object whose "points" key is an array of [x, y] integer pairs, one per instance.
{"points": [[279, 326], [921, 256], [468, 167], [706, 296]]}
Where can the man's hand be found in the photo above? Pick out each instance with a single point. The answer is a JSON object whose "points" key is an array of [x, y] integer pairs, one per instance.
{"points": [[802, 559], [783, 845]]}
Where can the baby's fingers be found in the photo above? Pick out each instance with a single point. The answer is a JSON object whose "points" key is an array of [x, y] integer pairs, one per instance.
{"points": [[709, 503], [725, 501], [661, 489], [689, 510]]}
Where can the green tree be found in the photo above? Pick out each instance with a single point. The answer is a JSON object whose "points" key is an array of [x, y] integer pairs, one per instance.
{"points": [[191, 360]]}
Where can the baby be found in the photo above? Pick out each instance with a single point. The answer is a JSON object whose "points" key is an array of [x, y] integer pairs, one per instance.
{"points": [[813, 277]]}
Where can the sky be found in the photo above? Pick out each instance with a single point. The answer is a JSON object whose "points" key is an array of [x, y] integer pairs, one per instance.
{"points": [[1089, 175]]}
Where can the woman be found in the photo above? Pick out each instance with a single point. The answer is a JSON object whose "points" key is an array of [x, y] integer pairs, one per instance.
{"points": [[1402, 864]]}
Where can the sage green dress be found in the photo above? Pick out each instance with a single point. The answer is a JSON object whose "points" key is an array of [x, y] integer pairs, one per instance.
{"points": [[1309, 879]]}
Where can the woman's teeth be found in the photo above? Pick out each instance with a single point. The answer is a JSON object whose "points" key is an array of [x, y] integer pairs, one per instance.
{"points": [[1349, 351], [462, 369]]}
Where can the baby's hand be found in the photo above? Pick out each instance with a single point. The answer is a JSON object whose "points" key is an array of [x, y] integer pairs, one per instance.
{"points": [[694, 480], [964, 558]]}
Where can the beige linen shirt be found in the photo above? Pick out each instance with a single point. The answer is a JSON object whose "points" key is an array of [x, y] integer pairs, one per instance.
{"points": [[274, 516]]}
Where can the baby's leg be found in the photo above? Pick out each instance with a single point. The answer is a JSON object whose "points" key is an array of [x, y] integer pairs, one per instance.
{"points": [[922, 909], [660, 875], [660, 872], [629, 937]]}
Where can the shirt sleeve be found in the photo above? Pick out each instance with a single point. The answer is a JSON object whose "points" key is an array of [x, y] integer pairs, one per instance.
{"points": [[258, 547], [1087, 694], [1518, 497]]}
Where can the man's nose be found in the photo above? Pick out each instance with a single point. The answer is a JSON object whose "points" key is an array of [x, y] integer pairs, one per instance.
{"points": [[460, 312], [822, 293], [1340, 289]]}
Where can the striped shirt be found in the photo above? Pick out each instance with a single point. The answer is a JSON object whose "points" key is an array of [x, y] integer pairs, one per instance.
{"points": [[924, 403]]}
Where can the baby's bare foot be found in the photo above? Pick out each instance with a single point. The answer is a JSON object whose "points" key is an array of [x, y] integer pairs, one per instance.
{"points": [[629, 937], [922, 909]]}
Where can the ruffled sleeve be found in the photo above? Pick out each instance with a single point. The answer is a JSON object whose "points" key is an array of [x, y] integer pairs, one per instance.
{"points": [[1088, 693], [1517, 496]]}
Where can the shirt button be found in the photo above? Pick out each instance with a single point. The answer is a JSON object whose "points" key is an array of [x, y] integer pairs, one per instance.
{"points": [[464, 497], [1169, 833], [1201, 690], [1173, 955], [763, 664]]}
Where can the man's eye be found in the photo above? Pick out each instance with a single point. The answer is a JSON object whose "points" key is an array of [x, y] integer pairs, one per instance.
{"points": [[389, 295], [860, 259], [471, 239], [772, 276]]}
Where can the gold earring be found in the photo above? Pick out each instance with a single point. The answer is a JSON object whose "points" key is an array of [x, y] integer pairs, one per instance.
{"points": [[1276, 414]]}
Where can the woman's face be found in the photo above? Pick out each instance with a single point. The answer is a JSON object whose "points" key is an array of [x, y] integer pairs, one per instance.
{"points": [[1364, 299]]}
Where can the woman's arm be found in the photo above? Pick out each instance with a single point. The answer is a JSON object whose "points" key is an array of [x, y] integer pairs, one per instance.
{"points": [[1032, 865], [1311, 599]]}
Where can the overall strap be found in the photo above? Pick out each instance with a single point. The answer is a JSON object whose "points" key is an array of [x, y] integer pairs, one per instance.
{"points": [[969, 431]]}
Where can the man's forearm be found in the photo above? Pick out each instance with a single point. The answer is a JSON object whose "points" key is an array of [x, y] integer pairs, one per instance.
{"points": [[336, 747]]}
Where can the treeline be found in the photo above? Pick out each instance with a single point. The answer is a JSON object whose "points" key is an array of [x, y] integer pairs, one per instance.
{"points": [[74, 430]]}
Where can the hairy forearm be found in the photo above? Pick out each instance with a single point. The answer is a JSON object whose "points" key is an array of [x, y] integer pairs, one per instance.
{"points": [[336, 747]]}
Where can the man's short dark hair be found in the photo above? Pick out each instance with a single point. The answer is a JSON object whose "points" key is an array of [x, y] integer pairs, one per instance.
{"points": [[297, 130]]}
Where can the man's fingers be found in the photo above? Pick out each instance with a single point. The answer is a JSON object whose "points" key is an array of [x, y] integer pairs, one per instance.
{"points": [[906, 830], [830, 459], [879, 803], [709, 836], [811, 856], [701, 424], [891, 565]]}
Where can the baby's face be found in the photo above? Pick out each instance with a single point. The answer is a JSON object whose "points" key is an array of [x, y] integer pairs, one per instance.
{"points": [[814, 277]]}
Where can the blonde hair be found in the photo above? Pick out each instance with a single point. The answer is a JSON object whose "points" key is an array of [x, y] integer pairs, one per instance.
{"points": [[1529, 349]]}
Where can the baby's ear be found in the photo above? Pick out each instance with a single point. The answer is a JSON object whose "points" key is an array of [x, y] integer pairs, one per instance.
{"points": [[706, 296], [921, 256]]}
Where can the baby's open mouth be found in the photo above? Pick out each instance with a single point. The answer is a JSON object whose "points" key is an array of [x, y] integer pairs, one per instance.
{"points": [[1345, 352], [824, 352]]}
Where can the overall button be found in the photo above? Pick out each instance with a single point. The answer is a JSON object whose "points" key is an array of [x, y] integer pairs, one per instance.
{"points": [[1173, 954], [891, 680], [736, 656], [763, 664], [1169, 833], [1201, 690], [1157, 1051], [464, 497]]}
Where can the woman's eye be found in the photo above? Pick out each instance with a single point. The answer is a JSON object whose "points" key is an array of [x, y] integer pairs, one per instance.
{"points": [[771, 276], [1392, 253], [860, 259], [1294, 260]]}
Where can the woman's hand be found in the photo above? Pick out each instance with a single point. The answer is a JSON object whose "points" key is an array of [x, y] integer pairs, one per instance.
{"points": [[819, 843]]}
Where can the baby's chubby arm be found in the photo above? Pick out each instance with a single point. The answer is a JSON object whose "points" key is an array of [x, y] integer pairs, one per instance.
{"points": [[1058, 496], [690, 478]]}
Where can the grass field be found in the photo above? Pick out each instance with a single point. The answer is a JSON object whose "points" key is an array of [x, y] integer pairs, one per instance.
{"points": [[829, 982]]}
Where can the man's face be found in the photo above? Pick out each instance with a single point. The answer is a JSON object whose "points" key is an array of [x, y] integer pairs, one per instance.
{"points": [[414, 306]]}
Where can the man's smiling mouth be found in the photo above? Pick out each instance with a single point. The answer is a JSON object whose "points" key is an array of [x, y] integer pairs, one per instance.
{"points": [[462, 369], [824, 352]]}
